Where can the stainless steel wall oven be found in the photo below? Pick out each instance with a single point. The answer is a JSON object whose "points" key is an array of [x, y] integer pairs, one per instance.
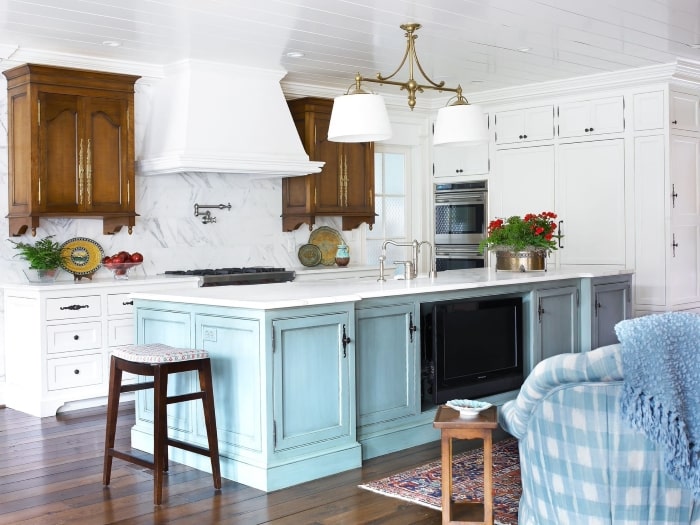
{"points": [[460, 224]]}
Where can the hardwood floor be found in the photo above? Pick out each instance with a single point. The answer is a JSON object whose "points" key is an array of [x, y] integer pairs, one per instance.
{"points": [[51, 474]]}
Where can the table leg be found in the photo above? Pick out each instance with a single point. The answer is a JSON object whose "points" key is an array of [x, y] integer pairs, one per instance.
{"points": [[488, 480], [446, 446]]}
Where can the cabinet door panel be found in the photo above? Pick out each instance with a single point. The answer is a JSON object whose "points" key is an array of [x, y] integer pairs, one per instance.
{"points": [[327, 190], [358, 183], [558, 321], [607, 115], [591, 202], [524, 181], [387, 383], [573, 119], [685, 163], [684, 261], [685, 111], [611, 305], [311, 380], [60, 150], [106, 164], [237, 367]]}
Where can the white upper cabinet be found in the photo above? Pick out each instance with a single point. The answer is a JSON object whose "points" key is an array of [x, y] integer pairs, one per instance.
{"points": [[591, 117], [685, 111], [524, 125], [472, 159]]}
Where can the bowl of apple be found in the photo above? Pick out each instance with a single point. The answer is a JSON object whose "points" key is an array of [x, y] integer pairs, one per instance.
{"points": [[121, 264]]}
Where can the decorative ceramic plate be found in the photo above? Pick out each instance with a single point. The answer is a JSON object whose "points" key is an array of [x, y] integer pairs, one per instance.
{"points": [[327, 239], [82, 256], [310, 255], [467, 407]]}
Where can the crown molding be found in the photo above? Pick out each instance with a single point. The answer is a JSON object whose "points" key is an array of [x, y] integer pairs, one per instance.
{"points": [[16, 56], [681, 71]]}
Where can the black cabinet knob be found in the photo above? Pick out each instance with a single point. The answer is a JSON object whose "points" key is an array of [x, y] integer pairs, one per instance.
{"points": [[76, 371], [76, 337], [524, 136], [674, 122], [586, 130], [521, 137]]}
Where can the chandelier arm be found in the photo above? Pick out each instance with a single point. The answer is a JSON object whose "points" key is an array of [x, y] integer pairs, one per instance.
{"points": [[425, 75], [403, 61]]}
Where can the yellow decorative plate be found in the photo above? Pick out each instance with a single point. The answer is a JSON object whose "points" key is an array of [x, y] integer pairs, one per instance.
{"points": [[310, 255], [327, 239], [82, 256]]}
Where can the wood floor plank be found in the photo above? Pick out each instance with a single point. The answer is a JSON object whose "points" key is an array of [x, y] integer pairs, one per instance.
{"points": [[51, 474]]}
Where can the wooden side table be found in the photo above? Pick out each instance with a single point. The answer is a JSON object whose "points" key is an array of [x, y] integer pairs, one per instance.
{"points": [[453, 427]]}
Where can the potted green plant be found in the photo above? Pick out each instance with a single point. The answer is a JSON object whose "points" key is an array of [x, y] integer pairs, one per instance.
{"points": [[45, 258], [522, 243]]}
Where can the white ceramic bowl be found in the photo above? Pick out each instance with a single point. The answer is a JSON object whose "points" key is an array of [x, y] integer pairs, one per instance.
{"points": [[467, 407]]}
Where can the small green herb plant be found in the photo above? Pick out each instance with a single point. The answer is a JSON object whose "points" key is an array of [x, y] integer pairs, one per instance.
{"points": [[44, 254]]}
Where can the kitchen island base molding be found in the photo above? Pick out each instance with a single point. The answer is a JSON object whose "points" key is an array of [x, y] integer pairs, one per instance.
{"points": [[266, 478]]}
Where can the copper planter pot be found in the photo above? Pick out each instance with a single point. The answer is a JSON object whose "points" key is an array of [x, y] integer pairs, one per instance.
{"points": [[523, 261]]}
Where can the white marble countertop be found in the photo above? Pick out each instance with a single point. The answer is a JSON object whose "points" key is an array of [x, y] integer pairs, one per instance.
{"points": [[329, 291], [106, 281]]}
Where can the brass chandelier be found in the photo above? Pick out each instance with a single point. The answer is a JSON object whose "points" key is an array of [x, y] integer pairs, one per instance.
{"points": [[359, 116]]}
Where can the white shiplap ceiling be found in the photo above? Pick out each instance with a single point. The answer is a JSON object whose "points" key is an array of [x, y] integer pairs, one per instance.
{"points": [[482, 44]]}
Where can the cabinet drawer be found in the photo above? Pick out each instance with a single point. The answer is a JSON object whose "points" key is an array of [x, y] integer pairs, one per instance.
{"points": [[119, 303], [73, 307], [71, 337], [71, 372], [121, 332]]}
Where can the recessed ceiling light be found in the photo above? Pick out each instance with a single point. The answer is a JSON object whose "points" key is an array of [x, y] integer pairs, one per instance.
{"points": [[525, 49], [111, 43], [477, 81], [295, 54]]}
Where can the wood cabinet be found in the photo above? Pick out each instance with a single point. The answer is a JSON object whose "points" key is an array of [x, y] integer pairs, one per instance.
{"points": [[524, 125], [71, 146], [58, 339], [345, 185], [591, 117]]}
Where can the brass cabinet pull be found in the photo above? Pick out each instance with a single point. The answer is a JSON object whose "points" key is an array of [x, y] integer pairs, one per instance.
{"points": [[345, 180], [340, 180], [89, 172], [128, 191], [40, 190], [81, 173]]}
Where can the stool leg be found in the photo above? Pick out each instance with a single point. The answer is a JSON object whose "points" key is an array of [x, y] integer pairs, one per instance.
{"points": [[160, 430], [115, 383], [206, 385]]}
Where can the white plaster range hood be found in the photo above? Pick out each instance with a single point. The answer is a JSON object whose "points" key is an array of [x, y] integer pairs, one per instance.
{"points": [[221, 118]]}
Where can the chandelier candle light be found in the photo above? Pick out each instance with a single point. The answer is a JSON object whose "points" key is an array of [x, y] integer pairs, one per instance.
{"points": [[359, 116], [522, 243]]}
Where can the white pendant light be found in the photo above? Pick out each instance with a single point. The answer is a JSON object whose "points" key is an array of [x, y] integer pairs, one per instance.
{"points": [[460, 124], [359, 117]]}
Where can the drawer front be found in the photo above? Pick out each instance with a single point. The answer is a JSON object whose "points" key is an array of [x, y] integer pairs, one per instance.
{"points": [[121, 332], [72, 372], [73, 307], [119, 303], [72, 337]]}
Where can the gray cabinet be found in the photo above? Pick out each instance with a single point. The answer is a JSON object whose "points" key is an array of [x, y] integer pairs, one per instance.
{"points": [[556, 324], [311, 380], [611, 304], [387, 363]]}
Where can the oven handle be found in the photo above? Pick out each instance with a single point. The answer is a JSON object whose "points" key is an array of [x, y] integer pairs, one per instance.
{"points": [[456, 199]]}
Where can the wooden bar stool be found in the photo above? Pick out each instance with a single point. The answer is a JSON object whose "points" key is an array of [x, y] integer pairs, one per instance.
{"points": [[158, 361]]}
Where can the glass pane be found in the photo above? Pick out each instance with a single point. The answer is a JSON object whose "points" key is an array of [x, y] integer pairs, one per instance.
{"points": [[394, 217], [378, 173], [395, 173], [374, 250]]}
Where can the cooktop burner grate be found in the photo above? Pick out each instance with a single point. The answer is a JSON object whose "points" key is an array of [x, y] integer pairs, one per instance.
{"points": [[233, 276]]}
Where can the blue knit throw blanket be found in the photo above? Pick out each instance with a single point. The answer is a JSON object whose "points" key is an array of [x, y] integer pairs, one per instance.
{"points": [[661, 394]]}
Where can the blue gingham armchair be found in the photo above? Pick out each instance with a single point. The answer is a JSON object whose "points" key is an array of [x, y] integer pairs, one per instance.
{"points": [[581, 463]]}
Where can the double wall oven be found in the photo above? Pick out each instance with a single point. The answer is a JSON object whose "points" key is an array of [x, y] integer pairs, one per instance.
{"points": [[460, 224]]}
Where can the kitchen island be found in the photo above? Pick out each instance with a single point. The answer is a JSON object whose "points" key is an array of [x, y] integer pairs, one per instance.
{"points": [[312, 377]]}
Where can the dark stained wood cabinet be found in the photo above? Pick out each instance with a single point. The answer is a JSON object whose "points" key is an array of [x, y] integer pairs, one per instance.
{"points": [[71, 146], [345, 185]]}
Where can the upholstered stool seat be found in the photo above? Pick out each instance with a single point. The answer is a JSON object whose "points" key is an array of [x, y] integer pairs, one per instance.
{"points": [[159, 361]]}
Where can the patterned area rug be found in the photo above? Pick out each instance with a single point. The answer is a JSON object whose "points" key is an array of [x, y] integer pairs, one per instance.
{"points": [[422, 485]]}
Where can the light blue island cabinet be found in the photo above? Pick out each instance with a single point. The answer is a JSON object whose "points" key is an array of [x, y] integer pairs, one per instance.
{"points": [[313, 377]]}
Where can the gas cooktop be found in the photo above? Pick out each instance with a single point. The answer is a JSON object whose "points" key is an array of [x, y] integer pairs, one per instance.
{"points": [[234, 276]]}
